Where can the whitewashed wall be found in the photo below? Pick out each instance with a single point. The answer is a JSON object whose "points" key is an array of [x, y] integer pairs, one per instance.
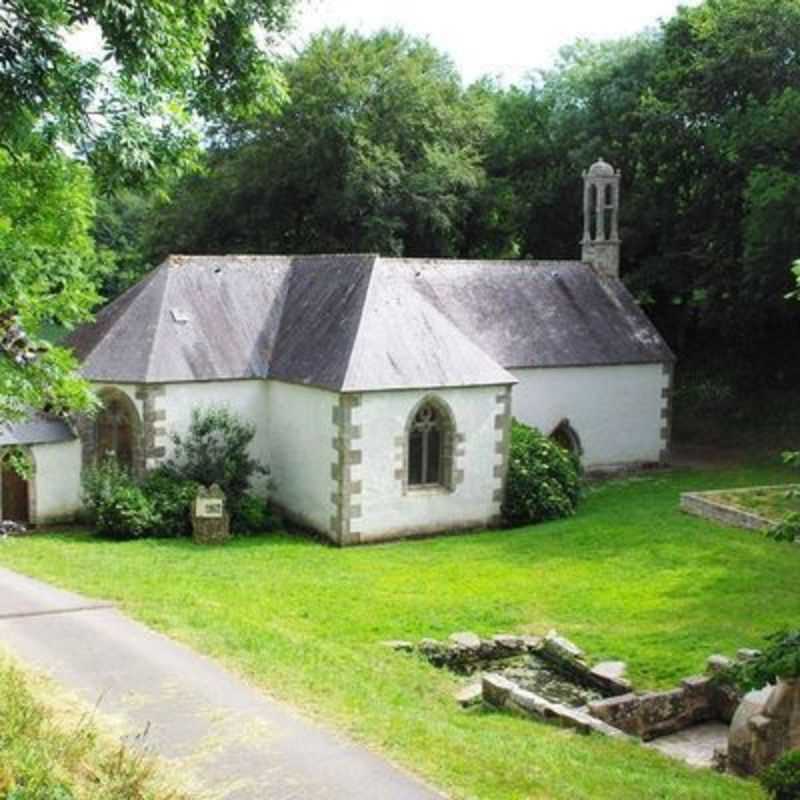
{"points": [[616, 411], [385, 510], [57, 482], [294, 431], [300, 432], [247, 399]]}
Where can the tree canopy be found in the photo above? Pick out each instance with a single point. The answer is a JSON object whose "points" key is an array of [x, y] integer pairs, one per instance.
{"points": [[74, 125], [373, 143], [379, 149]]}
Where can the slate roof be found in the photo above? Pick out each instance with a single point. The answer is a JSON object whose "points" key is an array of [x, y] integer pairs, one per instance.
{"points": [[362, 322], [539, 314], [38, 429]]}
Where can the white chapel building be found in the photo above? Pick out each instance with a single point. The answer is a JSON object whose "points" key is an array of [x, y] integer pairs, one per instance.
{"points": [[381, 389]]}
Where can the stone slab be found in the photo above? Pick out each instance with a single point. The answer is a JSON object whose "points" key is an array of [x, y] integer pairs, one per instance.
{"points": [[615, 670], [695, 745], [469, 695], [496, 689]]}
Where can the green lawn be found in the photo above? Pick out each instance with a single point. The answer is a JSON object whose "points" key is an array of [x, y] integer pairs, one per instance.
{"points": [[630, 577]]}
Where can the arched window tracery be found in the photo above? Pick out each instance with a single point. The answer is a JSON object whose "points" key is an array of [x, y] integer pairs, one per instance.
{"points": [[430, 444]]}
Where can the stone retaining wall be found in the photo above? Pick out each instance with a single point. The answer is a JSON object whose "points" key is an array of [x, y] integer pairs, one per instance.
{"points": [[500, 692], [655, 714], [702, 504]]}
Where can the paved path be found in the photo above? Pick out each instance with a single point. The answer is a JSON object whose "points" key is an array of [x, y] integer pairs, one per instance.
{"points": [[222, 734]]}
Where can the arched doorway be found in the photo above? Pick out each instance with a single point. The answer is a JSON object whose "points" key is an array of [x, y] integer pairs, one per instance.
{"points": [[565, 436]]}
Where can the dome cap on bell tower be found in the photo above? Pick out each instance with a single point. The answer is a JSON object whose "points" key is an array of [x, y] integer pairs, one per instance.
{"points": [[601, 169]]}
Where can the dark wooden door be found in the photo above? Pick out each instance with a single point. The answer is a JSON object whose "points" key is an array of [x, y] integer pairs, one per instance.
{"points": [[15, 497]]}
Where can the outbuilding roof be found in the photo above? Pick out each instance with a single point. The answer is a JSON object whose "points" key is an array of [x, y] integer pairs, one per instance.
{"points": [[362, 322], [37, 429]]}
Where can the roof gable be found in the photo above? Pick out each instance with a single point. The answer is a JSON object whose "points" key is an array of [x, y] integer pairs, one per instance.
{"points": [[404, 341]]}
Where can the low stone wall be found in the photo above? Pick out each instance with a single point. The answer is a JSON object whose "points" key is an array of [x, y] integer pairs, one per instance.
{"points": [[699, 698], [702, 504], [655, 714], [502, 693], [466, 653]]}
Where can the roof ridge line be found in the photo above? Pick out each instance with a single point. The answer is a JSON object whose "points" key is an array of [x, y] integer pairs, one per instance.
{"points": [[159, 314], [374, 259], [549, 262]]}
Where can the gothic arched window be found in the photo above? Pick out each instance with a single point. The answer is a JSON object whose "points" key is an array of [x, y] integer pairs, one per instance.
{"points": [[430, 442]]}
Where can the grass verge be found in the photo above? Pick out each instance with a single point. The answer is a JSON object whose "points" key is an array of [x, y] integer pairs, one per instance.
{"points": [[52, 750]]}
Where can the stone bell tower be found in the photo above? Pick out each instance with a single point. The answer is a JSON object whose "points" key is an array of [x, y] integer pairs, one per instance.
{"points": [[601, 243]]}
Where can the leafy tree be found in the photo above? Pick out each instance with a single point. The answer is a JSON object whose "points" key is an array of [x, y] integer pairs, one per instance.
{"points": [[547, 132], [702, 117], [719, 144], [120, 225], [130, 114], [380, 149], [780, 658], [158, 63], [48, 267]]}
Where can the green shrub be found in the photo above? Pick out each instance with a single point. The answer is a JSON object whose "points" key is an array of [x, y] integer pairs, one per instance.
{"points": [[171, 499], [780, 658], [543, 479], [216, 450], [782, 780], [117, 507], [120, 507], [253, 515], [787, 530]]}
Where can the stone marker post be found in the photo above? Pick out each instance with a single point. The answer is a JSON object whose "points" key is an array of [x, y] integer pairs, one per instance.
{"points": [[211, 522]]}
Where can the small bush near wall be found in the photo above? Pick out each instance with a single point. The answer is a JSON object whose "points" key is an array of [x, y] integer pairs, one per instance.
{"points": [[122, 508], [543, 479], [172, 500], [216, 450], [116, 506], [778, 659], [253, 515], [782, 780]]}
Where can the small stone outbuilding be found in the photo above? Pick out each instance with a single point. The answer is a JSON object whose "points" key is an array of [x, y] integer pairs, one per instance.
{"points": [[51, 492]]}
